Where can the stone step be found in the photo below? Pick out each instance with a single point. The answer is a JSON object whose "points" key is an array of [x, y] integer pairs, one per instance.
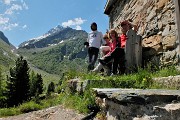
{"points": [[139, 104], [149, 95]]}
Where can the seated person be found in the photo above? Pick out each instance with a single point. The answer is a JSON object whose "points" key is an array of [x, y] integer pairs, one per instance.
{"points": [[115, 55], [103, 50]]}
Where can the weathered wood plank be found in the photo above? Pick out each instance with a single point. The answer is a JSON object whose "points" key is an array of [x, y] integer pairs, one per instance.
{"points": [[133, 51], [177, 8]]}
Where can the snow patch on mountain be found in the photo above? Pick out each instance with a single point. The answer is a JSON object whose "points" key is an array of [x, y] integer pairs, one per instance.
{"points": [[51, 32]]}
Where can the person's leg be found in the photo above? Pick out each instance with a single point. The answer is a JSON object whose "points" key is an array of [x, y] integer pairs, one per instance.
{"points": [[121, 66], [98, 68], [90, 55], [104, 50], [114, 54], [105, 60], [115, 65], [117, 55], [118, 52], [95, 53], [114, 57], [108, 69]]}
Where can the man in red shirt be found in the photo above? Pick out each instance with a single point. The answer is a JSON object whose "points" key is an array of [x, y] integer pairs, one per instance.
{"points": [[125, 26]]}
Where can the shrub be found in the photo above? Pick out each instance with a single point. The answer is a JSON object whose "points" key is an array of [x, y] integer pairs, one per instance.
{"points": [[29, 106], [9, 112]]}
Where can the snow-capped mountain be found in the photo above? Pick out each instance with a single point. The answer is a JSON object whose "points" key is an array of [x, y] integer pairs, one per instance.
{"points": [[54, 30], [52, 37]]}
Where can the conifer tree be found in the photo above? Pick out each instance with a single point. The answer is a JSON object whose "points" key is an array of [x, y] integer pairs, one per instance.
{"points": [[18, 85], [32, 83], [39, 84], [36, 86], [1, 81], [51, 88], [2, 90]]}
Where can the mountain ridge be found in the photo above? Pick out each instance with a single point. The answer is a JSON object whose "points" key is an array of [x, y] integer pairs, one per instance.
{"points": [[4, 38], [57, 51], [60, 50], [53, 36]]}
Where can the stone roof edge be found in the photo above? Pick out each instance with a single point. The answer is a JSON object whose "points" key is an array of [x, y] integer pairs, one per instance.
{"points": [[108, 6]]}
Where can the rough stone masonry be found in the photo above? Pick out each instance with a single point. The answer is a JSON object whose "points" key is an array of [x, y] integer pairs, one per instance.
{"points": [[157, 23], [138, 104]]}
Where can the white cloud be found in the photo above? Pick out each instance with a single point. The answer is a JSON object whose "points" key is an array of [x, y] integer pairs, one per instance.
{"points": [[7, 2], [8, 19], [3, 20], [13, 8], [75, 22], [25, 6], [9, 26], [78, 27]]}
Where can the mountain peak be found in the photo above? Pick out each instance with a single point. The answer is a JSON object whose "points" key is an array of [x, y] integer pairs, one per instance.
{"points": [[54, 36], [55, 30], [4, 38]]}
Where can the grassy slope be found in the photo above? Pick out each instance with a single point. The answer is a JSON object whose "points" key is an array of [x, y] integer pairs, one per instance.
{"points": [[7, 57], [58, 59], [7, 60], [47, 77]]}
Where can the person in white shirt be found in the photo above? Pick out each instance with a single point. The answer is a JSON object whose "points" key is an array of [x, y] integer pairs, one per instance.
{"points": [[95, 40]]}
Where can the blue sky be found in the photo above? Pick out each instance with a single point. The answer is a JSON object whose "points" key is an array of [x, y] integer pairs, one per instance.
{"points": [[21, 20]]}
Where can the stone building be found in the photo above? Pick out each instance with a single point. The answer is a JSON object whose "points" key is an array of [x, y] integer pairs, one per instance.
{"points": [[158, 23]]}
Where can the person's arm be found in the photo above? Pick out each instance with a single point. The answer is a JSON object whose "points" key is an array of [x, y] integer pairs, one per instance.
{"points": [[103, 42], [88, 38], [86, 44]]}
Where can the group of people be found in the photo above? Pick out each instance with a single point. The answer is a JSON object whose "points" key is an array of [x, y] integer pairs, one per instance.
{"points": [[111, 47]]}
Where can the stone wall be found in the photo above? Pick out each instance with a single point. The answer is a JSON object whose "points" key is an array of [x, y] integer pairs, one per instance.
{"points": [[156, 21], [138, 104]]}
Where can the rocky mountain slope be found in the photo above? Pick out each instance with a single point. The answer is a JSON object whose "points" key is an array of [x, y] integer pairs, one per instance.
{"points": [[4, 38], [7, 53], [54, 36], [57, 51]]}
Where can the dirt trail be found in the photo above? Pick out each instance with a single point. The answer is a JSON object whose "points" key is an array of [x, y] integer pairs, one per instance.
{"points": [[52, 113]]}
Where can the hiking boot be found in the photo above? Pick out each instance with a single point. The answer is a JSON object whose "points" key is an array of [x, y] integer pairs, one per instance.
{"points": [[90, 67]]}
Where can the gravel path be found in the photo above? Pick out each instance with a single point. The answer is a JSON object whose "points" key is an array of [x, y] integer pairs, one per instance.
{"points": [[52, 113]]}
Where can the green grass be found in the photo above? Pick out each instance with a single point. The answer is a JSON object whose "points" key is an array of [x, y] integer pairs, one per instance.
{"points": [[9, 112], [30, 106], [70, 101], [167, 71], [141, 79], [76, 102]]}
